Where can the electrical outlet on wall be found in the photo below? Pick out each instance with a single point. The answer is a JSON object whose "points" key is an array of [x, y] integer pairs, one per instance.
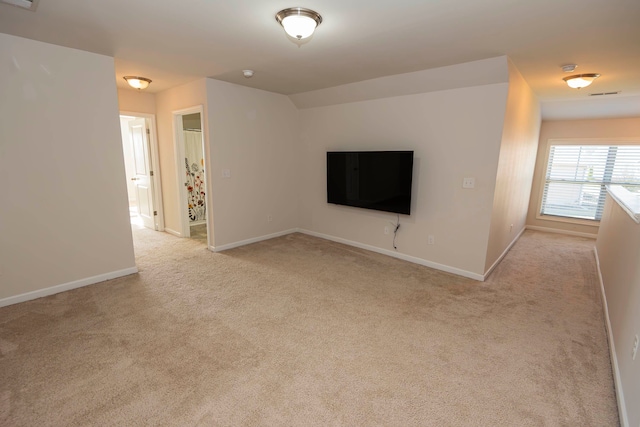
{"points": [[431, 240], [468, 183], [635, 348], [386, 230]]}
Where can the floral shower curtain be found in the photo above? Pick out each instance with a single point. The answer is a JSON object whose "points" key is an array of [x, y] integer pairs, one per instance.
{"points": [[194, 162]]}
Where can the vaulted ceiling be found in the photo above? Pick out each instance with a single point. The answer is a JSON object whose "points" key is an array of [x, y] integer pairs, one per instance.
{"points": [[173, 42]]}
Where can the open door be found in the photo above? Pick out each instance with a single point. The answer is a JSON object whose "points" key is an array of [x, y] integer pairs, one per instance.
{"points": [[142, 173], [192, 173]]}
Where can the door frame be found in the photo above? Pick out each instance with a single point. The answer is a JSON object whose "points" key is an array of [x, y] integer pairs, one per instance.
{"points": [[178, 142], [150, 120]]}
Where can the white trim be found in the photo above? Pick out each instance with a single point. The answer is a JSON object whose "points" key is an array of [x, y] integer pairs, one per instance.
{"points": [[178, 150], [178, 143], [66, 286], [155, 165], [622, 409], [495, 264], [560, 231], [568, 220], [393, 254], [594, 141], [252, 240], [172, 232], [543, 179], [199, 222]]}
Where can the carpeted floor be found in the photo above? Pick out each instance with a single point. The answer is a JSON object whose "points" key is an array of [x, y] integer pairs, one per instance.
{"points": [[299, 331]]}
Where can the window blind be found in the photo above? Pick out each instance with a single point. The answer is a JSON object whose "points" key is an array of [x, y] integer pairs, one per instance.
{"points": [[577, 175]]}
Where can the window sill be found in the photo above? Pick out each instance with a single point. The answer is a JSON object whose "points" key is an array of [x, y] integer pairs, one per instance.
{"points": [[567, 220], [629, 201]]}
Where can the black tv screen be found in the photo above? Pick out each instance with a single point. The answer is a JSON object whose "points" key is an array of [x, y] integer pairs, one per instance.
{"points": [[379, 180]]}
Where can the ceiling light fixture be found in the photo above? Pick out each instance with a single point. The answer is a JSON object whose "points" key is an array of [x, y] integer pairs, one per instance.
{"points": [[298, 22], [139, 83], [25, 4], [581, 80]]}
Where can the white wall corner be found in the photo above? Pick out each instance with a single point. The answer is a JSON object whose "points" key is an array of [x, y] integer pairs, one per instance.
{"points": [[495, 264], [252, 240]]}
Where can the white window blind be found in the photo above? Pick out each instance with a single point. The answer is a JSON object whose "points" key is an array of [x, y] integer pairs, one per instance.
{"points": [[577, 175]]}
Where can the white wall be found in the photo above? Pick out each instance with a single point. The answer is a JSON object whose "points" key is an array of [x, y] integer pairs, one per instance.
{"points": [[583, 129], [254, 135], [136, 101], [515, 166], [63, 215], [618, 249], [454, 134]]}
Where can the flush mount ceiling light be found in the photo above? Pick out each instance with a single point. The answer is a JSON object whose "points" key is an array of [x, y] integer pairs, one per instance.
{"points": [[298, 22], [137, 82], [581, 80], [25, 4]]}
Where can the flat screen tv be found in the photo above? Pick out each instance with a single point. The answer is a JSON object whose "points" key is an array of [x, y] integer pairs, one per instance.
{"points": [[379, 180]]}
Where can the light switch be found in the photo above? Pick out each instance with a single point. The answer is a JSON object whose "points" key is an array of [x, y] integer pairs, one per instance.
{"points": [[468, 183]]}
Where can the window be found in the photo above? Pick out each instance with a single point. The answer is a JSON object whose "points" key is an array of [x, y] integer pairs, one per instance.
{"points": [[577, 175]]}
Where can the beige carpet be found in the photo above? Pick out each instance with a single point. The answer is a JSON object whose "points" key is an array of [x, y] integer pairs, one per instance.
{"points": [[299, 331]]}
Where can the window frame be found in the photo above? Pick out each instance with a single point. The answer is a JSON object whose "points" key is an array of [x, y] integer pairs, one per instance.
{"points": [[543, 175]]}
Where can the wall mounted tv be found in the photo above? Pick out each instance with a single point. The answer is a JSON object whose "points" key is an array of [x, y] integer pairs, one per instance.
{"points": [[379, 180]]}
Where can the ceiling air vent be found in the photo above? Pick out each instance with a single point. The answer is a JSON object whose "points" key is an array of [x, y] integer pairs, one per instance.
{"points": [[604, 93], [25, 4]]}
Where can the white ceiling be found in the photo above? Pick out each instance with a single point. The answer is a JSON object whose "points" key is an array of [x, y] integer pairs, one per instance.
{"points": [[173, 42]]}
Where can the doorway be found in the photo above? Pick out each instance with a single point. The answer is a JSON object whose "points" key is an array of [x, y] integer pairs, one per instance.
{"points": [[139, 146], [192, 173]]}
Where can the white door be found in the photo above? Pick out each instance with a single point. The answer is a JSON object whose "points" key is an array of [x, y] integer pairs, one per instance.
{"points": [[142, 172]]}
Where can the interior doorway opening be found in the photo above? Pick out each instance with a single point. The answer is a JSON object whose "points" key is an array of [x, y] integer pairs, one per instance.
{"points": [[139, 147], [192, 174]]}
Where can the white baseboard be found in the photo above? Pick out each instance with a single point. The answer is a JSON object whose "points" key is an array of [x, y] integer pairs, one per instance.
{"points": [[66, 286], [622, 409], [172, 232], [398, 255], [252, 240], [495, 264], [556, 230]]}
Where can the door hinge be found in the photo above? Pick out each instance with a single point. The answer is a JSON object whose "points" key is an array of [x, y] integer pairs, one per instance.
{"points": [[148, 131], [155, 213], [150, 173]]}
